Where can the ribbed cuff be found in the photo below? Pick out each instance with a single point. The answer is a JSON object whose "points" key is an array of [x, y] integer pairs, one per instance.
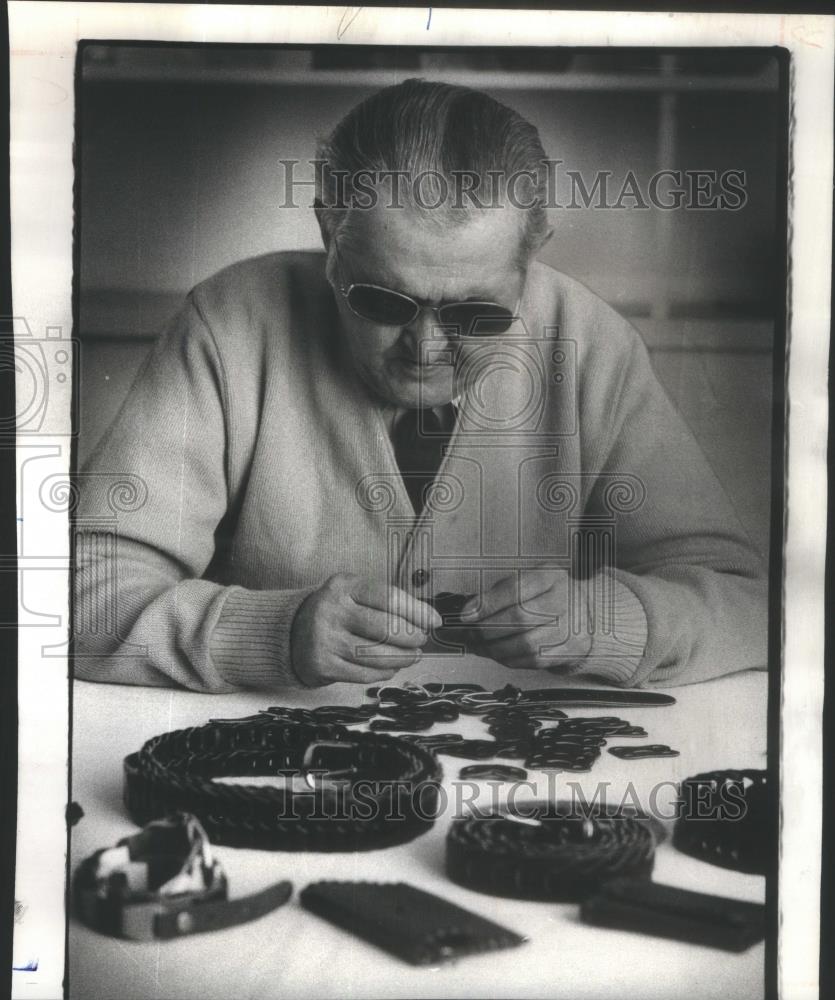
{"points": [[620, 637], [250, 644]]}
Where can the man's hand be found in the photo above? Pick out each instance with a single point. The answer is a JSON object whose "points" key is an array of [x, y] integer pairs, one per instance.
{"points": [[358, 630], [526, 621]]}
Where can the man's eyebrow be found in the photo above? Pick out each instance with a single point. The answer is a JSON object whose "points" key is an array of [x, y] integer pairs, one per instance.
{"points": [[380, 275]]}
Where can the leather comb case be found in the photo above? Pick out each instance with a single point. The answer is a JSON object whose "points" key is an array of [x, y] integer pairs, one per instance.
{"points": [[662, 910], [413, 925]]}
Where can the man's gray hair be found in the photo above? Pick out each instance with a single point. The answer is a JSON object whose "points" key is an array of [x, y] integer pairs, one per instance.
{"points": [[442, 150]]}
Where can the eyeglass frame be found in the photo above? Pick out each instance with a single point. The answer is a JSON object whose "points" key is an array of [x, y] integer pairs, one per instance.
{"points": [[346, 291]]}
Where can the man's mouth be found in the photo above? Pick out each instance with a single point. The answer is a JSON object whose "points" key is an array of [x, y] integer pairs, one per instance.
{"points": [[411, 365]]}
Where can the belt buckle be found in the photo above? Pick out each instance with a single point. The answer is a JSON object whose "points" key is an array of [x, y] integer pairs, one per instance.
{"points": [[308, 763]]}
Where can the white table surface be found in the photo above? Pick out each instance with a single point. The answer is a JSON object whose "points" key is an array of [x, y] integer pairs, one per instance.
{"points": [[291, 953]]}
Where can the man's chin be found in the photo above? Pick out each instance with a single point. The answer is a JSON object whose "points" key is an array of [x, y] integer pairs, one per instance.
{"points": [[416, 386]]}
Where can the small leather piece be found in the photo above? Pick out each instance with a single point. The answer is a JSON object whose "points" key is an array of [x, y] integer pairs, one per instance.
{"points": [[496, 772], [471, 749], [406, 724], [343, 715], [195, 919], [573, 744], [449, 607], [504, 732], [431, 740], [516, 716], [511, 750], [643, 752], [415, 926], [698, 918]]}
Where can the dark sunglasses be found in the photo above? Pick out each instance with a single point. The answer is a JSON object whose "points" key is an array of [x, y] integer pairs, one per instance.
{"points": [[391, 308]]}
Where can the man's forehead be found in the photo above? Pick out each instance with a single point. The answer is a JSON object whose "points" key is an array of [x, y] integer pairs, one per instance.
{"points": [[400, 246]]}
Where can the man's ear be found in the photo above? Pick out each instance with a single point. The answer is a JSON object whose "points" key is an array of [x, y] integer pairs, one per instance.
{"points": [[319, 209]]}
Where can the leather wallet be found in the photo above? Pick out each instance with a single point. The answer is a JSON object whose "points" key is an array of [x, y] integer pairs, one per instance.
{"points": [[663, 910], [413, 925]]}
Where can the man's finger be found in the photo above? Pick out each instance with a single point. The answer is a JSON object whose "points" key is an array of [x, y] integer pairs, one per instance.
{"points": [[354, 673], [501, 626], [380, 655], [382, 597], [546, 610], [377, 626], [511, 592], [544, 642]]}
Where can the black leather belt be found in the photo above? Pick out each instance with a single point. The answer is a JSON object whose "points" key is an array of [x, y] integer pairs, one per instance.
{"points": [[553, 851], [726, 818], [344, 791], [599, 697], [163, 883]]}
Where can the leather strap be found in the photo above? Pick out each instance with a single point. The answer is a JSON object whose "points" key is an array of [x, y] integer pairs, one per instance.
{"points": [[575, 696], [199, 917]]}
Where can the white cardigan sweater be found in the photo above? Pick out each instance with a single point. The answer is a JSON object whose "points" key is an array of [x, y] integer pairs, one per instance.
{"points": [[254, 465]]}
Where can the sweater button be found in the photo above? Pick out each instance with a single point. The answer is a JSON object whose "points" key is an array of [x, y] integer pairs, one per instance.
{"points": [[420, 577]]}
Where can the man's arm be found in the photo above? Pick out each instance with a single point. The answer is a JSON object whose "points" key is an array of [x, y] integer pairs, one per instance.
{"points": [[682, 597], [142, 613], [682, 552]]}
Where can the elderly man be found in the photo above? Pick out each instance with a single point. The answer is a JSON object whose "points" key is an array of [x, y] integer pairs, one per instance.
{"points": [[322, 444]]}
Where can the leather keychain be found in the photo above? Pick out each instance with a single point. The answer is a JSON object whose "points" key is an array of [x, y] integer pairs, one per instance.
{"points": [[162, 883]]}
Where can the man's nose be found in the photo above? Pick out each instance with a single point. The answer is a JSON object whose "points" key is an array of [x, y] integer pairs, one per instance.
{"points": [[425, 326]]}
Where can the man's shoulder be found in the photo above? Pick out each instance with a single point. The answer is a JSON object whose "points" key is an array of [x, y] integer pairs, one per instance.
{"points": [[575, 311], [262, 289]]}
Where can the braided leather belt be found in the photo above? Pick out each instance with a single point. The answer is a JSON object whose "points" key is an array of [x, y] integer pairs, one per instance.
{"points": [[548, 850], [726, 819], [343, 791]]}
